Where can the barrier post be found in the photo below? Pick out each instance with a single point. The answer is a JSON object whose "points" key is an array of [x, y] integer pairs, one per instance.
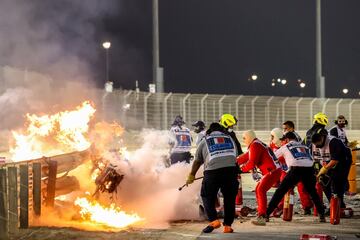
{"points": [[13, 198], [24, 196], [3, 206]]}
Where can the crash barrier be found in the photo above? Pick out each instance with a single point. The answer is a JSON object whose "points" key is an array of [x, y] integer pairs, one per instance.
{"points": [[20, 196], [33, 184], [353, 172], [136, 109]]}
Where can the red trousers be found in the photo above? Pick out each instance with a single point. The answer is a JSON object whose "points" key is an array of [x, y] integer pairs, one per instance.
{"points": [[304, 196], [266, 182]]}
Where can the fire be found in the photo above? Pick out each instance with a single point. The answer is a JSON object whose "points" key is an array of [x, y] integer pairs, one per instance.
{"points": [[111, 216], [53, 134]]}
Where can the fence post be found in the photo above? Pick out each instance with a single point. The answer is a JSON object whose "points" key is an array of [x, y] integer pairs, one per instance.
{"points": [[24, 196], [145, 109], [312, 110], [337, 107], [297, 112], [51, 184], [237, 109], [324, 105], [165, 111], [202, 107], [122, 110], [3, 206], [253, 112], [184, 105], [283, 108], [221, 105], [13, 198], [37, 188], [268, 111], [350, 114]]}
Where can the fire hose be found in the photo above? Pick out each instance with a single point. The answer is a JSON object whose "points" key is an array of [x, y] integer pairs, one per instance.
{"points": [[180, 188]]}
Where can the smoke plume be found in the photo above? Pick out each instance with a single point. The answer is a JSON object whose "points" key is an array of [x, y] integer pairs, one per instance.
{"points": [[47, 51]]}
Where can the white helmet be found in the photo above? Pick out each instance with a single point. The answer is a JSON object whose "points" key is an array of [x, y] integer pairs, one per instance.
{"points": [[248, 137], [276, 134]]}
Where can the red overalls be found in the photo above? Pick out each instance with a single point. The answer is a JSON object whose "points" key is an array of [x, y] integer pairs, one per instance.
{"points": [[259, 155]]}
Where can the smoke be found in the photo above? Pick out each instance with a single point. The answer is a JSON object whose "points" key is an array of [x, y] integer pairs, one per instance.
{"points": [[48, 50], [151, 190]]}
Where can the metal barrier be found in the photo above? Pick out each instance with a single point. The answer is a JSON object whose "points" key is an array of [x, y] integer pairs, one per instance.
{"points": [[19, 184], [136, 110]]}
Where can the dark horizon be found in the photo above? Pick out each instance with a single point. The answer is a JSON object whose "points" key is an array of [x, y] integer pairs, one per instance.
{"points": [[206, 46]]}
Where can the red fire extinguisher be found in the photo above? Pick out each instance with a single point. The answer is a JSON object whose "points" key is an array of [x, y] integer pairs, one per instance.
{"points": [[239, 196], [319, 191], [288, 205], [334, 210]]}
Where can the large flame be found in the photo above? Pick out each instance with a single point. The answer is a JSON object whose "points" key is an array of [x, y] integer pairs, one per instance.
{"points": [[53, 134], [111, 216]]}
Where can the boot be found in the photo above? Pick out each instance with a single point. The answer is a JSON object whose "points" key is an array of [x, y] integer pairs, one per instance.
{"points": [[322, 218], [307, 211], [259, 221], [214, 224], [228, 229]]}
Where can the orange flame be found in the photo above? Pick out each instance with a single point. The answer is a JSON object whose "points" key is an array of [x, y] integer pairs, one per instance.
{"points": [[53, 134], [111, 216]]}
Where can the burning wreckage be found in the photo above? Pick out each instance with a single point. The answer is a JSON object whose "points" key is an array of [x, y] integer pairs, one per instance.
{"points": [[70, 141]]}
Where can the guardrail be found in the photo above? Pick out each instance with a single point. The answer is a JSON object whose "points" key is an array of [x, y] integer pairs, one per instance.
{"points": [[20, 196], [34, 183]]}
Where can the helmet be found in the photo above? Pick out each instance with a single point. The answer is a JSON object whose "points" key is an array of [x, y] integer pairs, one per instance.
{"points": [[199, 126], [277, 134], [248, 137], [227, 120], [178, 121], [321, 118]]}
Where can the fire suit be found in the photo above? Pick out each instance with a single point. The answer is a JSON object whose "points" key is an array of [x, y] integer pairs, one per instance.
{"points": [[260, 156]]}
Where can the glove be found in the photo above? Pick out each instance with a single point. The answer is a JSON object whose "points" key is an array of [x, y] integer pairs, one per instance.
{"points": [[322, 171], [353, 144], [190, 179], [256, 176]]}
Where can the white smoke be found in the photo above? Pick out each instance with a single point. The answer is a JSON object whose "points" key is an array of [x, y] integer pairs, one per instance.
{"points": [[151, 190], [47, 50]]}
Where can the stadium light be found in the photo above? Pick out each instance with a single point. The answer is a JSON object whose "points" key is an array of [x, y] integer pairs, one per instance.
{"points": [[106, 45]]}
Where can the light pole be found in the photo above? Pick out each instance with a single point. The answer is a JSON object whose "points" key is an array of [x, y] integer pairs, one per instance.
{"points": [[106, 45], [345, 91], [302, 86], [253, 79]]}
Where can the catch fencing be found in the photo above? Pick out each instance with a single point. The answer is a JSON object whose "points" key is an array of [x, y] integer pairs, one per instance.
{"points": [[136, 110]]}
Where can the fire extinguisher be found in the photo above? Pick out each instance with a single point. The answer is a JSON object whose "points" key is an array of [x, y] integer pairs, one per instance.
{"points": [[319, 191], [334, 210], [239, 196], [288, 205]]}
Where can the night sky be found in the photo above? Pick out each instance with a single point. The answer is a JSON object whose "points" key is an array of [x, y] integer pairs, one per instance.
{"points": [[206, 46]]}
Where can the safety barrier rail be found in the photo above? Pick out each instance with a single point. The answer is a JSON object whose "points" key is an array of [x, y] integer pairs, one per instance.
{"points": [[137, 109]]}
